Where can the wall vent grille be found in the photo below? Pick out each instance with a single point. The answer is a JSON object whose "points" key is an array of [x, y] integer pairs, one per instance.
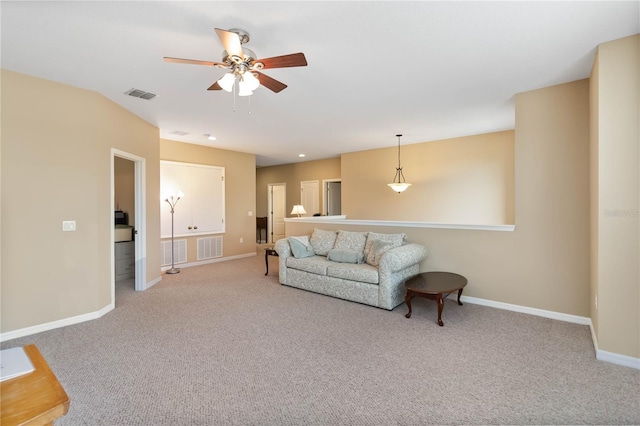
{"points": [[178, 133], [180, 252], [209, 247], [136, 93]]}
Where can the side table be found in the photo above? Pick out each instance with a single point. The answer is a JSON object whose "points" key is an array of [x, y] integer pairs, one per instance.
{"points": [[35, 398], [269, 252], [431, 285]]}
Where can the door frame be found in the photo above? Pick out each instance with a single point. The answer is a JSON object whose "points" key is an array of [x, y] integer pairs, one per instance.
{"points": [[270, 207], [140, 225], [325, 207]]}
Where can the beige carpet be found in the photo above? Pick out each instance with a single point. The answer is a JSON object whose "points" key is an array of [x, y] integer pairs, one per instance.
{"points": [[224, 345]]}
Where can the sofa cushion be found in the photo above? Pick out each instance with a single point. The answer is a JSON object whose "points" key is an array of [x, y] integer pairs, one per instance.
{"points": [[377, 249], [322, 241], [300, 247], [363, 273], [348, 240], [314, 264], [345, 256], [396, 239]]}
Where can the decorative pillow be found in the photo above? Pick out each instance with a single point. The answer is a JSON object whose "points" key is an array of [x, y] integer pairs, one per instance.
{"points": [[300, 247], [395, 239], [345, 256], [378, 247], [348, 240], [322, 241]]}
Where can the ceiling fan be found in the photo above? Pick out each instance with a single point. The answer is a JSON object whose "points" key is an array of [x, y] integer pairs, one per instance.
{"points": [[243, 66]]}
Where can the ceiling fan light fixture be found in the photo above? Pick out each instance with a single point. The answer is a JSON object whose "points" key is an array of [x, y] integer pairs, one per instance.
{"points": [[242, 65], [244, 90], [249, 80], [227, 81]]}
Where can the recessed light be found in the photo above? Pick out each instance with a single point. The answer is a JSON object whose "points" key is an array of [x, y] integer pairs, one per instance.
{"points": [[301, 155], [210, 137]]}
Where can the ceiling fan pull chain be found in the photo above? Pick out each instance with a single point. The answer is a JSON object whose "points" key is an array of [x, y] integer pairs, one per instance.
{"points": [[234, 97], [249, 113]]}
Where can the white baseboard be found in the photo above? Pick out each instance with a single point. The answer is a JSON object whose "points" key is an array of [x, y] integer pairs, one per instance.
{"points": [[27, 331], [206, 262], [527, 310], [153, 282], [611, 357]]}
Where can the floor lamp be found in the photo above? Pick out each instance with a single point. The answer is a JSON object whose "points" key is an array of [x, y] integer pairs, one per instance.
{"points": [[172, 202]]}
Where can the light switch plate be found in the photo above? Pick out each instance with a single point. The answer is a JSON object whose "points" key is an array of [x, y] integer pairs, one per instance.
{"points": [[250, 213], [68, 225]]}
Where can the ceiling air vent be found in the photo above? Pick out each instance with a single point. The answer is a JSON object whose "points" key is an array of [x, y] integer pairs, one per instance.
{"points": [[140, 94], [178, 132]]}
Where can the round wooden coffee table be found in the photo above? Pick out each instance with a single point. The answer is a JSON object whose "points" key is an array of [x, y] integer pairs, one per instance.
{"points": [[432, 285]]}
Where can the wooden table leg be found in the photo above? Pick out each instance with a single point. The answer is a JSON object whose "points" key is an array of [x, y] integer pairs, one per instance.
{"points": [[440, 303], [408, 300], [266, 261], [459, 294]]}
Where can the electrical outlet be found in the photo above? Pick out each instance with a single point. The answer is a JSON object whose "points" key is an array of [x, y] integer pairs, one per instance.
{"points": [[596, 300], [68, 225], [242, 240]]}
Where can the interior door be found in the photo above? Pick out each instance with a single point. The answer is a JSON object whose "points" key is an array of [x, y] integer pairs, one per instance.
{"points": [[277, 211], [310, 196], [334, 198]]}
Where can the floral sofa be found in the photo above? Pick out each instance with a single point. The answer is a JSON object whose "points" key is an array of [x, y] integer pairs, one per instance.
{"points": [[364, 267]]}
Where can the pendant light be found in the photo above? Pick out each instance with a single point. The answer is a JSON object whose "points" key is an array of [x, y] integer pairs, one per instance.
{"points": [[398, 183]]}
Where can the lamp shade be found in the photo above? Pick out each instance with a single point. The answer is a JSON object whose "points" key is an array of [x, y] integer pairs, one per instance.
{"points": [[244, 90], [250, 81], [227, 81], [298, 209], [399, 186]]}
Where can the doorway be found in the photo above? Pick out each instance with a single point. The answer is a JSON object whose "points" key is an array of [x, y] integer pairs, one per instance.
{"points": [[332, 197], [137, 217], [277, 205], [124, 200]]}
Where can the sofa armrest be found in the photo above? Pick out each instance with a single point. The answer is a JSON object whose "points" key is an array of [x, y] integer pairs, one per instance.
{"points": [[399, 258], [283, 248]]}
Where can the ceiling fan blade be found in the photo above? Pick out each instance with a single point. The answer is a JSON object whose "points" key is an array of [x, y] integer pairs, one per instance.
{"points": [[292, 60], [271, 83], [215, 86], [231, 42], [193, 62]]}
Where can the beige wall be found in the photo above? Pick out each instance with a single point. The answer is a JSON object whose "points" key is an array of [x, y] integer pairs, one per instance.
{"points": [[292, 175], [615, 187], [56, 165], [544, 263], [467, 180], [240, 189], [123, 186]]}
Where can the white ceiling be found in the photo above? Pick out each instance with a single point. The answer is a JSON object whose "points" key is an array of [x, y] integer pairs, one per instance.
{"points": [[429, 70]]}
